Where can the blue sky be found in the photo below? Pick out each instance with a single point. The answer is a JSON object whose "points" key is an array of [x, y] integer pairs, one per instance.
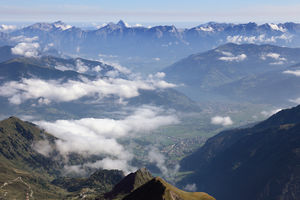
{"points": [[154, 11]]}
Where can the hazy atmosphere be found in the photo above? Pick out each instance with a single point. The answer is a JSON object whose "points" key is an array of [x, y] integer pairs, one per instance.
{"points": [[111, 100]]}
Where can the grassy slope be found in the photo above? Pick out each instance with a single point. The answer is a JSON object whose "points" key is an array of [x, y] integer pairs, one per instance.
{"points": [[158, 189]]}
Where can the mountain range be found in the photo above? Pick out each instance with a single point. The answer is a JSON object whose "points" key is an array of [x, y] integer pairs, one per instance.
{"points": [[53, 71], [158, 46], [242, 73]]}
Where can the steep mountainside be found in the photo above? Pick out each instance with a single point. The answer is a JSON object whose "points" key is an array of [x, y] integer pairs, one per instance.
{"points": [[97, 183], [5, 53], [142, 185], [270, 87], [158, 189], [129, 184], [202, 73], [255, 163], [24, 171], [27, 170]]}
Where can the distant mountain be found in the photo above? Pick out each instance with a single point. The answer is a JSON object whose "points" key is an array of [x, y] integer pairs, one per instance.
{"points": [[5, 53], [162, 44], [270, 87], [261, 162], [53, 69], [202, 73]]}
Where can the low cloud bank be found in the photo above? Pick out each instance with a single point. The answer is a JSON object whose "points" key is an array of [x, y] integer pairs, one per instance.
{"points": [[47, 91], [92, 136], [159, 160]]}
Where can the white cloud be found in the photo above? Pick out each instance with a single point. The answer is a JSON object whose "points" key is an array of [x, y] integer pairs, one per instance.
{"points": [[276, 27], [5, 27], [275, 56], [270, 113], [296, 101], [225, 53], [238, 39], [296, 72], [138, 25], [63, 68], [59, 91], [62, 26], [277, 63], [26, 49], [43, 147], [81, 67], [97, 68], [160, 75], [108, 163], [107, 56], [205, 29], [190, 187], [117, 66], [159, 160], [22, 38], [224, 121], [74, 169], [279, 60], [93, 136], [237, 58]]}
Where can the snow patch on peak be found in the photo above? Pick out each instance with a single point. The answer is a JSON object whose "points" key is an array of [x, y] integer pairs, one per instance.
{"points": [[61, 25], [205, 29], [275, 27]]}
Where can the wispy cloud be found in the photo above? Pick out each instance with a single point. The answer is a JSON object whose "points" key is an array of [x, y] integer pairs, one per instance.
{"points": [[94, 136], [231, 58], [296, 101], [6, 28], [58, 91], [159, 160], [279, 60], [270, 112], [190, 187], [239, 39], [295, 72]]}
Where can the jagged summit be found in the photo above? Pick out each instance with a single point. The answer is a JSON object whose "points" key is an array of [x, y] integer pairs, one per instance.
{"points": [[130, 183], [159, 189], [142, 185]]}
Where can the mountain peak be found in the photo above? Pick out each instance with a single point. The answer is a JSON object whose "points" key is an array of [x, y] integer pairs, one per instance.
{"points": [[131, 182], [122, 24], [157, 188], [61, 25], [59, 22]]}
